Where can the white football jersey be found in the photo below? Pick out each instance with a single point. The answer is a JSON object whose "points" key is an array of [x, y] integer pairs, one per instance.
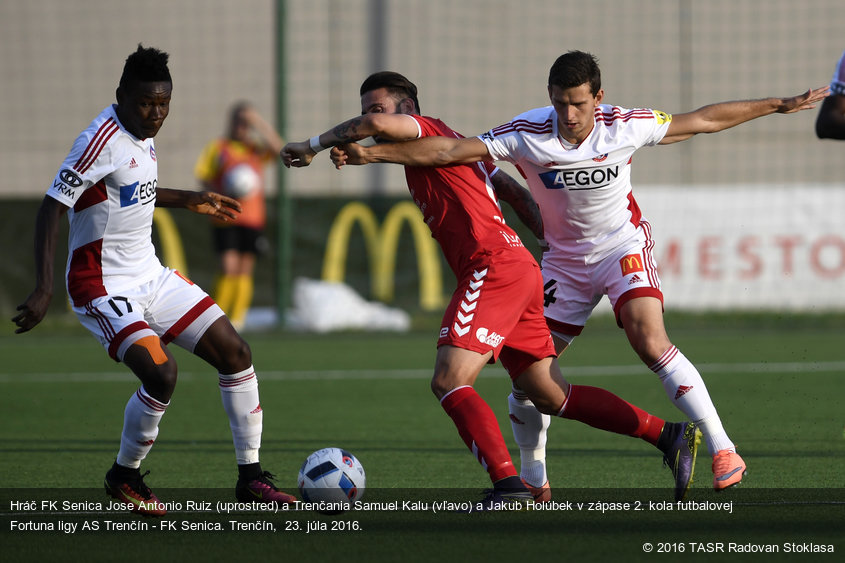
{"points": [[109, 182], [583, 191]]}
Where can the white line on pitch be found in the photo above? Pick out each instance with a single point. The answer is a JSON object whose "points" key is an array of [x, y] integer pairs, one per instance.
{"points": [[765, 368]]}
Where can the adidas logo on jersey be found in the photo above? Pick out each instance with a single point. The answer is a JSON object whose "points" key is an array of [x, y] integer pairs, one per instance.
{"points": [[133, 163]]}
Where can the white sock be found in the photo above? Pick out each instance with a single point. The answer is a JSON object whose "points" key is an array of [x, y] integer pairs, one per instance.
{"points": [[530, 428], [239, 392], [686, 390], [140, 428]]}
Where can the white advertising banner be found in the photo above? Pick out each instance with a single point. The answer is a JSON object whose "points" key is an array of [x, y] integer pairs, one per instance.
{"points": [[756, 247]]}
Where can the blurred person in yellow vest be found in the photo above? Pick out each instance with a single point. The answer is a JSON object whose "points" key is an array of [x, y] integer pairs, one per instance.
{"points": [[234, 165]]}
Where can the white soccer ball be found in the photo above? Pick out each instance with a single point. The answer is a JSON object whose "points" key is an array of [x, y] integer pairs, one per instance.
{"points": [[332, 475], [240, 181]]}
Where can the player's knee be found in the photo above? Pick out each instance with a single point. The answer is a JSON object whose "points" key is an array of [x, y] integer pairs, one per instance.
{"points": [[439, 387], [443, 383], [545, 405], [225, 349], [159, 380], [235, 355], [650, 349]]}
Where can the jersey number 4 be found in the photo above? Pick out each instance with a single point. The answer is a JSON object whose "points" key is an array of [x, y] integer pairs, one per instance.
{"points": [[549, 293]]}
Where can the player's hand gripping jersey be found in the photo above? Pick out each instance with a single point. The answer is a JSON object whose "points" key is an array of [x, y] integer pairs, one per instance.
{"points": [[583, 191], [109, 182]]}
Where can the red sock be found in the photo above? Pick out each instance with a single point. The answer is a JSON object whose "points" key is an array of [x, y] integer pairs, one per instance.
{"points": [[480, 431], [603, 410]]}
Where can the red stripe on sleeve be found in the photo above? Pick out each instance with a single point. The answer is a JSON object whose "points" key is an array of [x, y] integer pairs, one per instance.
{"points": [[95, 147]]}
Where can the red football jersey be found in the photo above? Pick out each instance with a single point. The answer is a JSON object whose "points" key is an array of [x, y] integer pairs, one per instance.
{"points": [[460, 206]]}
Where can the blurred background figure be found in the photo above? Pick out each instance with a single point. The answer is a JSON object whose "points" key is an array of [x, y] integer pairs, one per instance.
{"points": [[234, 165]]}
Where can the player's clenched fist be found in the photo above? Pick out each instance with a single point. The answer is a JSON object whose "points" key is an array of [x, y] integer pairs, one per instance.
{"points": [[297, 154], [351, 153]]}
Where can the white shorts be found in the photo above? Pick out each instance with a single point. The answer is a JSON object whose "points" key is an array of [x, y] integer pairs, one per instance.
{"points": [[573, 289], [170, 306]]}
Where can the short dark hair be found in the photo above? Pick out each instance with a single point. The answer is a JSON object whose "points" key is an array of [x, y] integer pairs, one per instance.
{"points": [[575, 68], [394, 82], [146, 64]]}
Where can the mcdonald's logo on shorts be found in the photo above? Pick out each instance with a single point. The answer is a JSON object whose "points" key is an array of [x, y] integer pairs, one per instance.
{"points": [[631, 263]]}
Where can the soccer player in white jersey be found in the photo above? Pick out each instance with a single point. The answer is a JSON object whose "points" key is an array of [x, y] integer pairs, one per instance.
{"points": [[576, 157], [108, 188], [830, 123]]}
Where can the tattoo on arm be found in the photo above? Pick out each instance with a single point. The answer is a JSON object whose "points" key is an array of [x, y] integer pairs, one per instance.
{"points": [[519, 198], [349, 130]]}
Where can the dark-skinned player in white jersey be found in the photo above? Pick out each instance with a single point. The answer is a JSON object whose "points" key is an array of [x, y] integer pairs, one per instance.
{"points": [[108, 188]]}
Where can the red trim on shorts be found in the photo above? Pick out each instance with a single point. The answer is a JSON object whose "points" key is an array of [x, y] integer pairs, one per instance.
{"points": [[125, 333], [564, 328], [187, 319], [634, 294]]}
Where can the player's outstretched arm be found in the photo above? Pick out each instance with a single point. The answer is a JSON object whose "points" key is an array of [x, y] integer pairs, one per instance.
{"points": [[519, 198], [721, 116], [830, 123], [33, 310], [205, 203], [428, 151], [383, 126]]}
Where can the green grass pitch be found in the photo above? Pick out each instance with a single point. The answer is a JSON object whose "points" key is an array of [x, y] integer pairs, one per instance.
{"points": [[778, 385]]}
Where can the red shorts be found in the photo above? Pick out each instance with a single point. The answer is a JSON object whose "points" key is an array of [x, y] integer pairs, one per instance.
{"points": [[499, 307]]}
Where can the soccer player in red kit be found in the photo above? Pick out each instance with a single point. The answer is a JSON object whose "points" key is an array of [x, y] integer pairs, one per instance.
{"points": [[576, 155], [496, 311]]}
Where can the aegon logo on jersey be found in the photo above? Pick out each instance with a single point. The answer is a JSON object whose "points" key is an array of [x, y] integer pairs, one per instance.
{"points": [[138, 193], [586, 179]]}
